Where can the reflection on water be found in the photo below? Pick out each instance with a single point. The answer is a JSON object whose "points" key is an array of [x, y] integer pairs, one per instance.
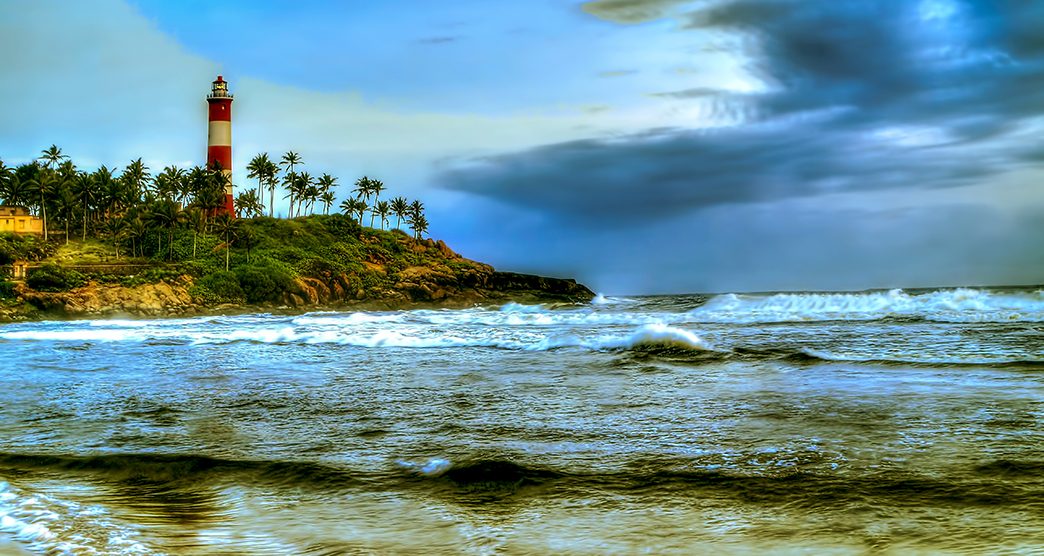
{"points": [[628, 426]]}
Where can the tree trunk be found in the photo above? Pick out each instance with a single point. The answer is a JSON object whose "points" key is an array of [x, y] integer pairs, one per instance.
{"points": [[43, 209]]}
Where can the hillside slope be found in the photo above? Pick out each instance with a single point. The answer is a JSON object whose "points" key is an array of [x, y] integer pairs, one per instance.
{"points": [[311, 262]]}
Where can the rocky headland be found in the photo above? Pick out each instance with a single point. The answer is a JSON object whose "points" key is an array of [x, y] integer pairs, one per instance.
{"points": [[443, 279]]}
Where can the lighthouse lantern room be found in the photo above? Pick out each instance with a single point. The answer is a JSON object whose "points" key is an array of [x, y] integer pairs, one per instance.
{"points": [[219, 137]]}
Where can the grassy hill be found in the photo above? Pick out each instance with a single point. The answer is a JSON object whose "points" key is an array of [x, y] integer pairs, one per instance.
{"points": [[304, 262]]}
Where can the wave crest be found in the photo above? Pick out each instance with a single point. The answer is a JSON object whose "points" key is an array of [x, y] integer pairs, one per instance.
{"points": [[957, 305]]}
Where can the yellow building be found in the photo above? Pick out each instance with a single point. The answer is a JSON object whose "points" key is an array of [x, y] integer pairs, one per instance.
{"points": [[18, 220]]}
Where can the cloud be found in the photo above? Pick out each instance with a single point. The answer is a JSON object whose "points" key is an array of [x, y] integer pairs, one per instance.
{"points": [[437, 40], [971, 67], [858, 96], [617, 73], [664, 173], [631, 11], [917, 110]]}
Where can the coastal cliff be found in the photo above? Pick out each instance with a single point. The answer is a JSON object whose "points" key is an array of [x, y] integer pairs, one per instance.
{"points": [[381, 270]]}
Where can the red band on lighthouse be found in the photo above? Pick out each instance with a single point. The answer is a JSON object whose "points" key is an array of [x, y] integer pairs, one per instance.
{"points": [[219, 155], [221, 110], [219, 137]]}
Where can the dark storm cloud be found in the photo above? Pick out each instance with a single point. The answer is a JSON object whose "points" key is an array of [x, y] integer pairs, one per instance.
{"points": [[859, 96], [626, 180], [893, 60]]}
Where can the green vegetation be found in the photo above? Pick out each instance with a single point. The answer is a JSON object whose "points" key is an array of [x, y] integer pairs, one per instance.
{"points": [[133, 227], [54, 278], [15, 247]]}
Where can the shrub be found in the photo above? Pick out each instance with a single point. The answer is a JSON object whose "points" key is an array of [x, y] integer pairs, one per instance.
{"points": [[6, 289], [257, 286], [318, 268], [221, 287], [53, 278], [340, 226]]}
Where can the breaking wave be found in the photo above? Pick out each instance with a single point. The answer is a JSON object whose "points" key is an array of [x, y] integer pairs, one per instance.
{"points": [[962, 305]]}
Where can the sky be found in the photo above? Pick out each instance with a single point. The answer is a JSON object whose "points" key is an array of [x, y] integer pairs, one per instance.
{"points": [[640, 146]]}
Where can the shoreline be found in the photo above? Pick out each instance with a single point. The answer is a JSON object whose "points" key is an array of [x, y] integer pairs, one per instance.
{"points": [[96, 301]]}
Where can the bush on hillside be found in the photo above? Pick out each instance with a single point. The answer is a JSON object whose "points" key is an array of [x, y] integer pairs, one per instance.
{"points": [[219, 287], [6, 289], [53, 278], [263, 281], [15, 247]]}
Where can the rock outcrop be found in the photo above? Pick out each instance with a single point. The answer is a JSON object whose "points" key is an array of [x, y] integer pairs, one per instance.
{"points": [[94, 299], [465, 284]]}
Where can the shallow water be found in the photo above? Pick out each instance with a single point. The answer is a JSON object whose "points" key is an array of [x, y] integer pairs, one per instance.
{"points": [[897, 422]]}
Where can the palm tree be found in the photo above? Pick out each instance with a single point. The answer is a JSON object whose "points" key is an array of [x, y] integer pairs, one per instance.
{"points": [[65, 200], [376, 186], [327, 199], [325, 183], [362, 189], [258, 169], [354, 208], [44, 184], [271, 171], [400, 207], [416, 209], [248, 205], [110, 190], [290, 160], [136, 175], [226, 226], [6, 175], [115, 227], [16, 191], [168, 182], [85, 194], [419, 224], [383, 209], [135, 228], [197, 220], [165, 215], [52, 156], [298, 189]]}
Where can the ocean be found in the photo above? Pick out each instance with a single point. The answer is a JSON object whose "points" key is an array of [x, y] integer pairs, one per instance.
{"points": [[894, 422]]}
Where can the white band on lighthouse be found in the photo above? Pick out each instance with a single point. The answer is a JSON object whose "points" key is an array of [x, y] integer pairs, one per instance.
{"points": [[220, 133]]}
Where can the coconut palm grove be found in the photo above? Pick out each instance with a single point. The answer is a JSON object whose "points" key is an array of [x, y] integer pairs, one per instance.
{"points": [[172, 222]]}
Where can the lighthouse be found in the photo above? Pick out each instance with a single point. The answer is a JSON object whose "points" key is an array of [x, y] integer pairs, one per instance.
{"points": [[219, 137]]}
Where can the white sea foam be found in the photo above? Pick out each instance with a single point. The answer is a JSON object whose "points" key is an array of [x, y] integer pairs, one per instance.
{"points": [[958, 305], [513, 307], [601, 299], [76, 335], [48, 525], [656, 334], [432, 468], [651, 335]]}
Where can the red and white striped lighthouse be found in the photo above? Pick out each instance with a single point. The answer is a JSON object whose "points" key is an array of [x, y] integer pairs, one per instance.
{"points": [[219, 137]]}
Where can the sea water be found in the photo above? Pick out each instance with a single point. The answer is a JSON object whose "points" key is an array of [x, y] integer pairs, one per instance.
{"points": [[895, 422]]}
